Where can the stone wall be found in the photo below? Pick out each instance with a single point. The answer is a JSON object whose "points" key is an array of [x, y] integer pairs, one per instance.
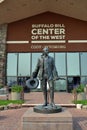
{"points": [[3, 33]]}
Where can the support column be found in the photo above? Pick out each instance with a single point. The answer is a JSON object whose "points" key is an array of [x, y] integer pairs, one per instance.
{"points": [[3, 34]]}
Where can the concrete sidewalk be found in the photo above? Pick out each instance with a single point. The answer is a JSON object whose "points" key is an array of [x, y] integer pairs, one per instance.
{"points": [[11, 119]]}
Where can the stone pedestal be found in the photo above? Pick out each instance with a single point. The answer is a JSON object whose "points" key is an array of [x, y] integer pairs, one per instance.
{"points": [[38, 121]]}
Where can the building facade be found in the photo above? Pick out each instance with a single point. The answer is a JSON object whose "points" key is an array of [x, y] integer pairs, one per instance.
{"points": [[22, 43]]}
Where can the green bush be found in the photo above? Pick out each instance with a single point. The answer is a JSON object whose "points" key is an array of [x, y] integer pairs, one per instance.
{"points": [[17, 88], [6, 102], [83, 102], [1, 86], [80, 88]]}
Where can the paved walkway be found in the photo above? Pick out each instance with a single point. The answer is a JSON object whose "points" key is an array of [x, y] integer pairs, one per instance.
{"points": [[11, 119]]}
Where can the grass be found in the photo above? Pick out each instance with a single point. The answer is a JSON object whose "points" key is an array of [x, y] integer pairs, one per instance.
{"points": [[6, 102], [83, 102]]}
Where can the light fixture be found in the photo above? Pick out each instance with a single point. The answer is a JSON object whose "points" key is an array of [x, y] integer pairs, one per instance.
{"points": [[1, 1]]}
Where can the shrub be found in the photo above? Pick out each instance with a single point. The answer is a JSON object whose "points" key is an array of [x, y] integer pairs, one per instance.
{"points": [[17, 88], [83, 102], [80, 88], [1, 86]]}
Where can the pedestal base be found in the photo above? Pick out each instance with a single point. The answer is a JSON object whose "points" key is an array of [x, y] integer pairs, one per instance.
{"points": [[38, 121]]}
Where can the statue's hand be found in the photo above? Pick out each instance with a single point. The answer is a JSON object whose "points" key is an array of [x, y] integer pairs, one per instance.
{"points": [[34, 75], [31, 77], [56, 79]]}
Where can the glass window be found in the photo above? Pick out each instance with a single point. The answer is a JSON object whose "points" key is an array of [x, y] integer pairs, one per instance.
{"points": [[35, 57], [83, 64], [11, 81], [73, 64], [24, 64], [60, 85], [12, 64], [60, 63], [84, 80]]}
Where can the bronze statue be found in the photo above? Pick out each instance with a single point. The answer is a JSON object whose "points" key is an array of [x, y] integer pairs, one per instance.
{"points": [[46, 71]]}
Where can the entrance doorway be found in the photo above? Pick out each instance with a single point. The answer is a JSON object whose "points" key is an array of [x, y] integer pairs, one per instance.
{"points": [[72, 82]]}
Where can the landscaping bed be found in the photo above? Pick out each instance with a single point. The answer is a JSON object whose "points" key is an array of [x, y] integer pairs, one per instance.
{"points": [[81, 103], [10, 104]]}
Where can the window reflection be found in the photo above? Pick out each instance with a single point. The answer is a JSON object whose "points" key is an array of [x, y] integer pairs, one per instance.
{"points": [[73, 64], [60, 85], [12, 64], [84, 80], [83, 64], [11, 81], [35, 57], [60, 63], [24, 64]]}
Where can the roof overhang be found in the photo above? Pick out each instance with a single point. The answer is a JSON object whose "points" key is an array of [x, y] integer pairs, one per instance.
{"points": [[14, 10]]}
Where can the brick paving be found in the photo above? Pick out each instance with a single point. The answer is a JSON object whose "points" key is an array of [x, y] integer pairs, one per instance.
{"points": [[11, 119]]}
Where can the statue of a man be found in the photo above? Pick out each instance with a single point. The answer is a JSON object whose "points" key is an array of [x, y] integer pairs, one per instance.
{"points": [[46, 71]]}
